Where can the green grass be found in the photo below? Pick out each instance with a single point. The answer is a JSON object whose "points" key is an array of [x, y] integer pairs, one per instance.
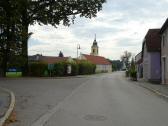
{"points": [[13, 74]]}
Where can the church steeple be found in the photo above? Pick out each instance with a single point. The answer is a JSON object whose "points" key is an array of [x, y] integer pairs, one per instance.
{"points": [[95, 48]]}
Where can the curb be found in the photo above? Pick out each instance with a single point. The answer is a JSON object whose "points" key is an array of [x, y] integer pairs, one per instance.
{"points": [[155, 91], [10, 108]]}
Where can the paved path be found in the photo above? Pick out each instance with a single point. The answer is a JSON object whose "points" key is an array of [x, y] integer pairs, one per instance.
{"points": [[4, 102], [111, 101], [102, 100], [34, 97]]}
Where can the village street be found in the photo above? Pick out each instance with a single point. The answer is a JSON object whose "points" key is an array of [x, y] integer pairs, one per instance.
{"points": [[98, 100]]}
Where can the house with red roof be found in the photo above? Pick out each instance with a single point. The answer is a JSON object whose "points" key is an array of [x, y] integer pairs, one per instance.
{"points": [[102, 64], [164, 52], [151, 51], [48, 59]]}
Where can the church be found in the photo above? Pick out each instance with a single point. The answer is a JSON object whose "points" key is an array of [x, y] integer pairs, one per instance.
{"points": [[102, 64]]}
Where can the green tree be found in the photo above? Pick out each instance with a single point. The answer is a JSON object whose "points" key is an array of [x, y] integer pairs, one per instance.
{"points": [[9, 29], [53, 12], [125, 58]]}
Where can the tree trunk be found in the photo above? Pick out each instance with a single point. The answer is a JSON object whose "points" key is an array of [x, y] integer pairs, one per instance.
{"points": [[25, 26]]}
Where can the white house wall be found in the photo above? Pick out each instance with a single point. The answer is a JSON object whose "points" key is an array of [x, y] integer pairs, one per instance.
{"points": [[164, 55], [103, 68], [146, 64]]}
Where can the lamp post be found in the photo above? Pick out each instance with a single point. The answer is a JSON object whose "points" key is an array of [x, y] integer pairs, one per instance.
{"points": [[78, 47]]}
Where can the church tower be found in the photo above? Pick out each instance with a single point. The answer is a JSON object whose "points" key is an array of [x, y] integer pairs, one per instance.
{"points": [[95, 48]]}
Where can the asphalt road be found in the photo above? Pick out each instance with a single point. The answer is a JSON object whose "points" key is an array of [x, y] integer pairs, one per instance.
{"points": [[103, 100]]}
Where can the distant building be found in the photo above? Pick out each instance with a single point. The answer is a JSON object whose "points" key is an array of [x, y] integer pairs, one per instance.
{"points": [[151, 56], [164, 52], [48, 59], [102, 64], [139, 65]]}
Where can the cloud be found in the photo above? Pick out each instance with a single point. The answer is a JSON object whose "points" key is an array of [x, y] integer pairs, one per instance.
{"points": [[120, 26]]}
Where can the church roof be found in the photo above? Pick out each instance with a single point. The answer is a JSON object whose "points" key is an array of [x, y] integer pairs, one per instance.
{"points": [[99, 60]]}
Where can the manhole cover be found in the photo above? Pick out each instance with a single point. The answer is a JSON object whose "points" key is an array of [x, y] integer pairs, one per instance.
{"points": [[95, 117]]}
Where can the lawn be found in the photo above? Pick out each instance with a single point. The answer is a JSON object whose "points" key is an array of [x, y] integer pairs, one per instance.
{"points": [[13, 74]]}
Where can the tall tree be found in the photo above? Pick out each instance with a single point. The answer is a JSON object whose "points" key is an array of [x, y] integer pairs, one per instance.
{"points": [[53, 12], [9, 21], [18, 15], [125, 58]]}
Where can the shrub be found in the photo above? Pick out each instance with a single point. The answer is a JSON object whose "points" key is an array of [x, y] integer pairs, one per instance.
{"points": [[133, 73], [37, 69], [86, 67], [60, 69], [75, 69]]}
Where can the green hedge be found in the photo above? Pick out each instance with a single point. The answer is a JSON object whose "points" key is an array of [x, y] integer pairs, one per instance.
{"points": [[75, 69], [60, 69], [38, 69], [86, 67]]}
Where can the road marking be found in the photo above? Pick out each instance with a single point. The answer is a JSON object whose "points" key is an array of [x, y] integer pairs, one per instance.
{"points": [[44, 118]]}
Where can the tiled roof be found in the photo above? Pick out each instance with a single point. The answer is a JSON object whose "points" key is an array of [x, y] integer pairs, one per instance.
{"points": [[52, 60], [153, 40], [47, 59], [138, 58], [97, 60], [165, 25]]}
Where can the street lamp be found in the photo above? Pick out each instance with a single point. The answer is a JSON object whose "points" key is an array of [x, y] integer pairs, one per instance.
{"points": [[78, 47]]}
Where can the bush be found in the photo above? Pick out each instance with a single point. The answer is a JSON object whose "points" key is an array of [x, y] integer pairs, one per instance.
{"points": [[86, 67], [133, 74], [75, 69], [37, 69], [60, 69]]}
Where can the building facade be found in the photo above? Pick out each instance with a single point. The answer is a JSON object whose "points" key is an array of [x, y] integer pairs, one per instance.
{"points": [[139, 65], [151, 56], [164, 52], [94, 48], [102, 64]]}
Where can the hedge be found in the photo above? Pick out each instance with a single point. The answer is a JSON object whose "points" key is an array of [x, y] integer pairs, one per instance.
{"points": [[38, 69], [86, 67], [60, 69]]}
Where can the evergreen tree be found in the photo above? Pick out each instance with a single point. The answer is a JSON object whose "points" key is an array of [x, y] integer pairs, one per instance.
{"points": [[61, 54]]}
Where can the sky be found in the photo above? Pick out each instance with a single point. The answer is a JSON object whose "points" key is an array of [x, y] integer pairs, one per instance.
{"points": [[120, 26]]}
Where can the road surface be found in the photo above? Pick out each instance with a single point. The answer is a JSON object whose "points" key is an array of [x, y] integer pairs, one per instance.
{"points": [[101, 100]]}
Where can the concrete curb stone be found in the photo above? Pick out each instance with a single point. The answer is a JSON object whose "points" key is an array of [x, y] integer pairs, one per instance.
{"points": [[10, 107]]}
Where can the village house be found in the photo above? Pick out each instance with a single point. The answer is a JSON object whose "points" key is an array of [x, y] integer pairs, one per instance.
{"points": [[48, 59], [102, 64], [139, 65], [151, 50], [164, 52]]}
